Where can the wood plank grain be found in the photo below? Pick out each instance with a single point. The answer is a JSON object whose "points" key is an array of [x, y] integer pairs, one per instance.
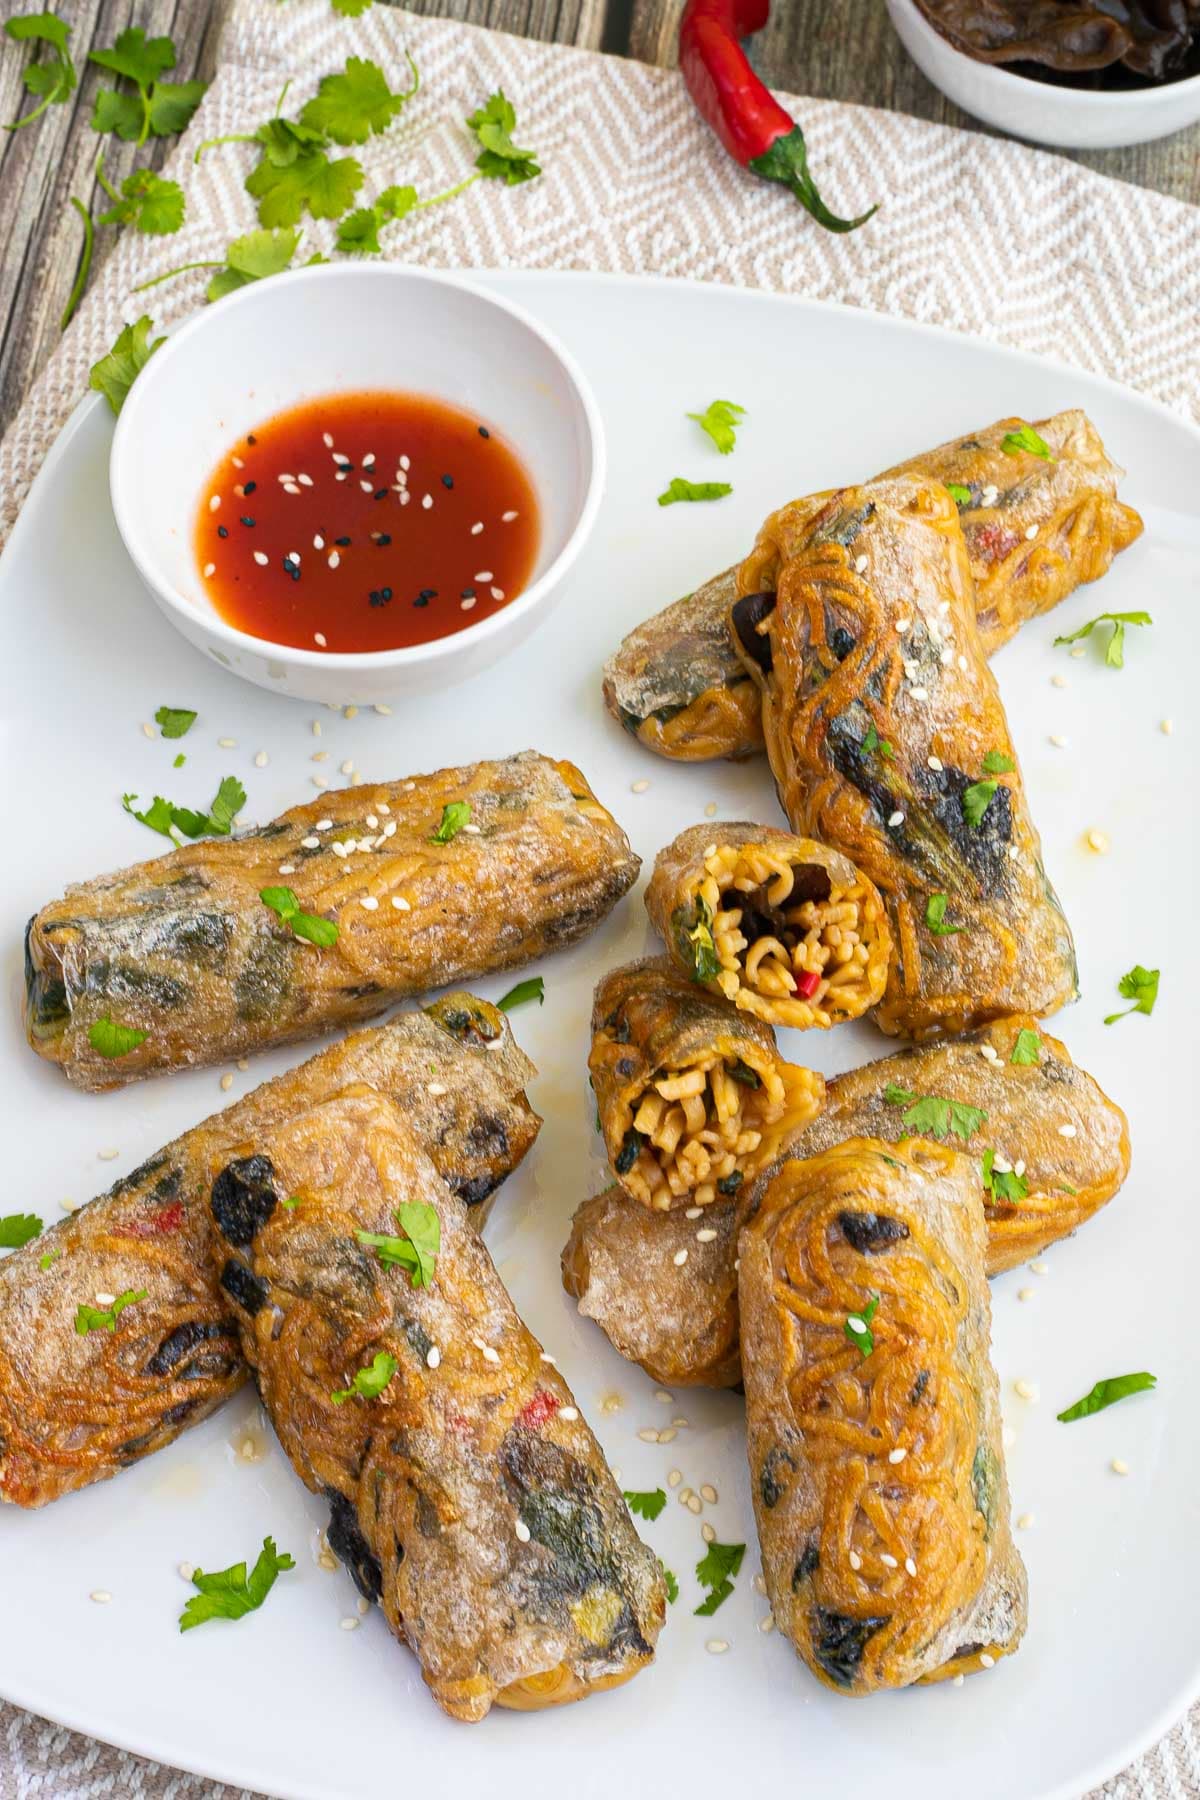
{"points": [[851, 53]]}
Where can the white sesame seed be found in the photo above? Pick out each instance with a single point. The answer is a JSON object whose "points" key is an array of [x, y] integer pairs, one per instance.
{"points": [[340, 849], [68, 1206], [1118, 1466], [210, 568], [668, 1436], [569, 1413], [910, 1567], [483, 575], [349, 1624], [101, 1596], [685, 1495], [1058, 740], [855, 1560], [400, 903], [898, 1454], [226, 1081], [889, 1562], [468, 603], [957, 1681], [348, 766], [369, 903], [310, 843], [708, 1533], [104, 1299], [261, 558], [1025, 1522], [990, 1052], [333, 559], [695, 1504], [366, 486], [674, 1478], [896, 818], [1032, 532], [986, 1661], [243, 1063], [716, 1646], [639, 787], [710, 811], [319, 781], [1078, 650], [860, 565], [1067, 1131], [1008, 1436], [693, 1212], [476, 528], [856, 1324], [1025, 1293], [497, 593], [435, 1088], [187, 1570], [1019, 1166], [708, 1492], [679, 1258], [705, 1237], [1097, 841], [427, 501], [935, 763], [1058, 681], [1040, 1268], [261, 759], [648, 1435], [485, 1350], [681, 1423], [327, 439], [1166, 726], [903, 625], [107, 1155], [1025, 1390], [289, 487], [214, 502]]}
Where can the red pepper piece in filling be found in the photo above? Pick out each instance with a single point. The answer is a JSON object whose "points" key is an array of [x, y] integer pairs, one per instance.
{"points": [[741, 109], [807, 983], [992, 542], [159, 1224], [538, 1411]]}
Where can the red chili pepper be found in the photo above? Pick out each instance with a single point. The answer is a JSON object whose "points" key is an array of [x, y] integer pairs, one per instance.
{"points": [[807, 984], [746, 117], [170, 1218], [539, 1411]]}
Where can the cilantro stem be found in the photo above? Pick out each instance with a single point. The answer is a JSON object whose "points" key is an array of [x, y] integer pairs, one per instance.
{"points": [[30, 117], [230, 137], [105, 183], [170, 274], [144, 133], [450, 193], [85, 263], [416, 75]]}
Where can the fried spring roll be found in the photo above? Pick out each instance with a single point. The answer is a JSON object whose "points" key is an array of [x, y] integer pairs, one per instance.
{"points": [[75, 1408], [873, 1417], [680, 1321], [693, 1098], [887, 739], [785, 928], [1036, 528], [469, 1499], [185, 950]]}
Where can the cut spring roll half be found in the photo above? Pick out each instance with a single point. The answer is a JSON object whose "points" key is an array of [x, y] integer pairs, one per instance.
{"points": [[786, 929], [78, 1406], [1036, 526], [420, 884], [693, 1098], [873, 1417], [887, 739], [1010, 1088], [469, 1499]]}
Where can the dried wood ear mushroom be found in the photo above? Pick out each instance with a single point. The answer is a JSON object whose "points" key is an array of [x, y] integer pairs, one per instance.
{"points": [[1148, 38]]}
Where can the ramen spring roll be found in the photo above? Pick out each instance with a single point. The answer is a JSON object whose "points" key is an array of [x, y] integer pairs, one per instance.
{"points": [[1036, 525], [78, 1405], [693, 1098], [783, 927], [1060, 1151], [888, 740], [873, 1417], [321, 919], [469, 1499]]}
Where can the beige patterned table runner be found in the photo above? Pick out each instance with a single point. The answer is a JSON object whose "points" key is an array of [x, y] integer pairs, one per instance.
{"points": [[974, 233]]}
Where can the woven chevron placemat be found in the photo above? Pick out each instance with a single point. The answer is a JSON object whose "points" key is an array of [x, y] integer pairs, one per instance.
{"points": [[974, 233]]}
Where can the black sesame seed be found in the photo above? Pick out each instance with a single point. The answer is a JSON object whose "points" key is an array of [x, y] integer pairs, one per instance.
{"points": [[386, 592], [249, 487], [467, 594], [222, 531], [484, 432], [421, 600], [295, 573], [251, 439], [429, 593], [246, 519], [448, 481], [381, 493], [382, 538], [342, 543]]}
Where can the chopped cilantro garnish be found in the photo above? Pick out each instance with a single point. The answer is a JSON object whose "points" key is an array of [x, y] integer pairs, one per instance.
{"points": [[976, 800], [169, 820], [1025, 1048], [51, 1256], [1139, 985], [679, 489], [872, 742], [646, 1504], [175, 721], [19, 1228], [1003, 1184], [359, 230], [715, 1571], [1114, 654], [179, 761], [1107, 1393], [960, 495], [720, 419], [935, 917], [499, 159], [284, 904], [54, 78], [113, 1040], [857, 1328], [368, 1383], [933, 1115], [229, 1593], [671, 1581], [533, 989], [998, 762], [104, 1318], [417, 1250], [115, 374], [455, 815], [1026, 438]]}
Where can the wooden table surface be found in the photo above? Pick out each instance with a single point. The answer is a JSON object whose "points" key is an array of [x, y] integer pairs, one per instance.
{"points": [[845, 50]]}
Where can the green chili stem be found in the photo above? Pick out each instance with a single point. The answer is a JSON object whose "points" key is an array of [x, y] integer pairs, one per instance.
{"points": [[85, 263], [169, 274]]}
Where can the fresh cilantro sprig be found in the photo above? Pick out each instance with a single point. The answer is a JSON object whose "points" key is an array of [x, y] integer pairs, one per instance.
{"points": [[960, 495], [976, 800], [1026, 438], [1025, 1048], [672, 1582], [51, 1256], [499, 159], [417, 1251], [533, 989], [857, 1328], [679, 489], [1106, 1393], [146, 201], [230, 1593], [716, 1571], [935, 917], [1139, 985], [350, 106], [368, 1383], [647, 1504], [1114, 653], [174, 721], [933, 1115], [1003, 1184], [113, 1040], [174, 822], [283, 903], [115, 373], [872, 743], [159, 107], [720, 420], [21, 1228], [998, 762], [52, 80], [455, 814], [104, 1318]]}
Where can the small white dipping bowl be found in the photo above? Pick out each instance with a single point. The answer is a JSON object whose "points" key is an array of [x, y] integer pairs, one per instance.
{"points": [[1045, 112], [341, 329]]}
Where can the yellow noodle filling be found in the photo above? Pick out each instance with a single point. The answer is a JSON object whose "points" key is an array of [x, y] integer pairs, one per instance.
{"points": [[704, 1126]]}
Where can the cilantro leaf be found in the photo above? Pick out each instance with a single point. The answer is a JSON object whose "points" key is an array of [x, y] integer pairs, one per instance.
{"points": [[872, 742], [53, 79], [679, 489], [720, 419], [147, 202], [161, 107], [350, 106], [113, 1040], [174, 721], [1114, 654], [533, 989], [1003, 1184], [104, 1318], [960, 495], [671, 1581], [169, 820], [715, 1571], [140, 59], [499, 159], [284, 904], [115, 374], [857, 1328], [21, 1228], [1139, 985], [359, 232], [417, 1251], [368, 1383], [933, 1115], [1107, 1393], [935, 917], [455, 814], [1025, 1049], [1026, 438], [51, 1256], [352, 9], [646, 1504], [228, 1594], [976, 800], [227, 803], [253, 258], [172, 104], [998, 762], [313, 183]]}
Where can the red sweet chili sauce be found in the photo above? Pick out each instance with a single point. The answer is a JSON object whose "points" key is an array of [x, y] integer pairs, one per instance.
{"points": [[366, 521]]}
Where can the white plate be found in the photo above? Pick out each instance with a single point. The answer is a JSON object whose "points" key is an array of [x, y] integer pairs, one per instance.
{"points": [[285, 1701]]}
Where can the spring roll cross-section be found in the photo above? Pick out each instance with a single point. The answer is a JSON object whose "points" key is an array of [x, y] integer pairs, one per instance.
{"points": [[78, 1407], [873, 1417], [693, 1097], [1012, 1082], [783, 927], [887, 739], [469, 1499], [428, 882]]}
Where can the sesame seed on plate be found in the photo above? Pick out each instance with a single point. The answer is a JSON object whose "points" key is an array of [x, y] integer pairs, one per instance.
{"points": [[681, 1423], [1119, 1467], [1097, 841], [957, 1681], [679, 1258], [261, 759], [855, 1560], [187, 1570], [226, 1081], [108, 1155], [350, 1624], [1025, 1293], [695, 1504], [1025, 1522], [708, 1492], [348, 766], [639, 787], [716, 1646], [1078, 650], [1058, 681], [1166, 726], [1067, 1131], [522, 1531], [708, 1533], [1025, 1390], [648, 1434], [674, 1478], [668, 1436], [433, 1357], [759, 1585], [1039, 1268], [685, 1494], [319, 781], [569, 1413], [986, 1661], [898, 1454], [1058, 740], [320, 756], [101, 1596]]}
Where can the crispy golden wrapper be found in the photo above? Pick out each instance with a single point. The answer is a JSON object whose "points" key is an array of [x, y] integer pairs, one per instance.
{"points": [[680, 1321], [78, 1408], [876, 1466], [693, 1098], [184, 949], [785, 928], [677, 684], [469, 1499], [887, 739]]}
